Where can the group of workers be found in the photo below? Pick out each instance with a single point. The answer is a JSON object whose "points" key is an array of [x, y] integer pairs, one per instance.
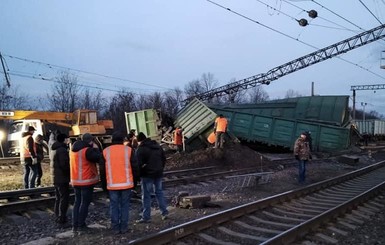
{"points": [[128, 160], [31, 156], [121, 165]]}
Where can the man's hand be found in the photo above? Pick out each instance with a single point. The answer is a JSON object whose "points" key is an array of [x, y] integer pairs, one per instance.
{"points": [[34, 161], [296, 157]]}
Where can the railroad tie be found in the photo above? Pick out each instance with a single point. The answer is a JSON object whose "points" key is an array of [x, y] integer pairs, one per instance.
{"points": [[346, 224], [241, 235], [326, 238], [213, 240], [338, 231]]}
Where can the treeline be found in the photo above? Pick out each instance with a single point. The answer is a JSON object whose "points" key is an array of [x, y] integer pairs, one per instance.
{"points": [[67, 95]]}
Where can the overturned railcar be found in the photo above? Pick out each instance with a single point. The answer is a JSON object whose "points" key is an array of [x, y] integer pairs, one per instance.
{"points": [[333, 110], [283, 132], [275, 123]]}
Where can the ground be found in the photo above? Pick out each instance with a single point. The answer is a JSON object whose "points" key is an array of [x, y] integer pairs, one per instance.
{"points": [[225, 193]]}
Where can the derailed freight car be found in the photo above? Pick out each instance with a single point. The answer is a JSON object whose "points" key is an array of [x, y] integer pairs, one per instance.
{"points": [[330, 109], [197, 120], [283, 132]]}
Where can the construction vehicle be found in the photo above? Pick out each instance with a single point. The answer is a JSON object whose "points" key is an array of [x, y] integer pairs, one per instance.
{"points": [[74, 124]]}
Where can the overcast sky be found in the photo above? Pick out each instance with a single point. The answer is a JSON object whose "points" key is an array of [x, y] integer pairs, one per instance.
{"points": [[157, 45]]}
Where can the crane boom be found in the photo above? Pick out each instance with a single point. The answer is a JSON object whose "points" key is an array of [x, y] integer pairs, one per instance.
{"points": [[42, 115], [297, 64]]}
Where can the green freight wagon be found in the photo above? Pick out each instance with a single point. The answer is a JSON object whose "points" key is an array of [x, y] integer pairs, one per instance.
{"points": [[333, 110], [197, 121], [146, 121], [283, 131]]}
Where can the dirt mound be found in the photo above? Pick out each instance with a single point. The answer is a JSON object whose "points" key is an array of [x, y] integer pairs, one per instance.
{"points": [[233, 155]]}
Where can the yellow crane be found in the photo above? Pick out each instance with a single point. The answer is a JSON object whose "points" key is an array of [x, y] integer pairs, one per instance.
{"points": [[78, 122]]}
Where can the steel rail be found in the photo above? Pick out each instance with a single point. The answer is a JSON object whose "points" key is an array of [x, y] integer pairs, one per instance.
{"points": [[14, 204], [195, 226]]}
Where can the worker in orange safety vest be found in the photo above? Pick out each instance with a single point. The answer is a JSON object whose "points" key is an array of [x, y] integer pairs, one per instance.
{"points": [[220, 128], [28, 158], [178, 138], [119, 160], [84, 156]]}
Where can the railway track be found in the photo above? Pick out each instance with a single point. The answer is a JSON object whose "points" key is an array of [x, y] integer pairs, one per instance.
{"points": [[22, 200], [339, 204]]}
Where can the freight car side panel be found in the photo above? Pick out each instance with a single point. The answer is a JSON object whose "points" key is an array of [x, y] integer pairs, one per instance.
{"points": [[371, 126], [331, 110], [195, 119], [146, 121], [284, 132]]}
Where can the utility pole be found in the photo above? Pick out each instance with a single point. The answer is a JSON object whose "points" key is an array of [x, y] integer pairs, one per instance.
{"points": [[363, 87], [7, 79]]}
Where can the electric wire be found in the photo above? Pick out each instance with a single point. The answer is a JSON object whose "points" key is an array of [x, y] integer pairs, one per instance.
{"points": [[273, 8], [331, 11], [26, 75], [82, 71], [288, 36], [370, 12], [322, 18]]}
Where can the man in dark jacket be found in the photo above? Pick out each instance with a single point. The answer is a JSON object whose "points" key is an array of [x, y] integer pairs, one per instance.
{"points": [[60, 172], [28, 158], [303, 155], [151, 160], [84, 156], [40, 146]]}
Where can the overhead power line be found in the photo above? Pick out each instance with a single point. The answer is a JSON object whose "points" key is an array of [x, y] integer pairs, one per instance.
{"points": [[331, 11], [297, 64], [58, 81], [370, 12], [322, 18], [82, 71], [288, 36]]}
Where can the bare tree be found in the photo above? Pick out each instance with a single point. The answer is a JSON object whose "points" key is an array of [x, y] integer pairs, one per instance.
{"points": [[292, 94], [193, 88], [92, 101], [208, 82], [123, 101], [257, 95], [12, 99], [65, 93], [172, 102], [155, 101]]}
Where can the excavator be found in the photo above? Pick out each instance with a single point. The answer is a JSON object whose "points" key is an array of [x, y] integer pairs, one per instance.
{"points": [[74, 124]]}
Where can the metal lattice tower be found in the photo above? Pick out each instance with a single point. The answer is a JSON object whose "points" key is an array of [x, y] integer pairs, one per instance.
{"points": [[297, 64]]}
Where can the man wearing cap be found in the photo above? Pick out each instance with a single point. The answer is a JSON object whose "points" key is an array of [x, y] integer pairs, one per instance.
{"points": [[302, 155], [151, 160], [84, 156], [28, 158]]}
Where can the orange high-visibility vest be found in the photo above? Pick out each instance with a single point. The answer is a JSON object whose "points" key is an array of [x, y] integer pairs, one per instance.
{"points": [[221, 124], [118, 167], [178, 140], [26, 151], [83, 172]]}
